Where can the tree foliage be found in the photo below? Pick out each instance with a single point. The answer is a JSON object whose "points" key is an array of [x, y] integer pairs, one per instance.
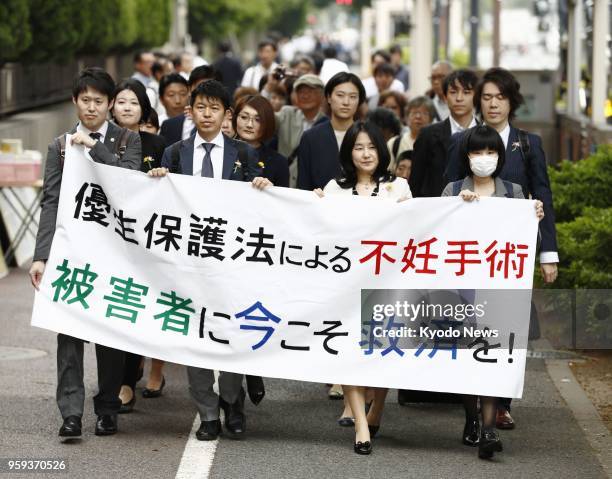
{"points": [[15, 30]]}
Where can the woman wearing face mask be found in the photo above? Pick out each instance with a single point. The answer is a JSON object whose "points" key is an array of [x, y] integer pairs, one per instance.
{"points": [[131, 110], [482, 149], [364, 158], [254, 123]]}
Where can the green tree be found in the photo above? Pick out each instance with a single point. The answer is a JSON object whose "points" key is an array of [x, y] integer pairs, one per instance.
{"points": [[15, 32], [156, 29], [289, 16], [214, 19]]}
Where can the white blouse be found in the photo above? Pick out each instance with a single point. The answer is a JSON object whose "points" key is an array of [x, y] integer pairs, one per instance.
{"points": [[393, 190]]}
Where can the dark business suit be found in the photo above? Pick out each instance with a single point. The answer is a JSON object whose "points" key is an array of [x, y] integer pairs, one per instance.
{"points": [[231, 72], [201, 380], [70, 388], [276, 166], [153, 147], [172, 129], [318, 159], [429, 160], [533, 182]]}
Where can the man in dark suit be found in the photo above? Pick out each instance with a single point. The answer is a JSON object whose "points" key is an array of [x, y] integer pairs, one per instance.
{"points": [[181, 127], [431, 147], [108, 144], [497, 98], [209, 153], [229, 68], [317, 153]]}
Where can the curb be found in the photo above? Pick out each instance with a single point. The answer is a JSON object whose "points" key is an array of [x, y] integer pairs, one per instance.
{"points": [[584, 411]]}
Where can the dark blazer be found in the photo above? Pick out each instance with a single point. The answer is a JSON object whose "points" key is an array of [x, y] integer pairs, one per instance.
{"points": [[429, 160], [533, 182], [318, 157], [104, 153], [153, 147], [231, 72], [172, 129], [276, 166], [232, 168]]}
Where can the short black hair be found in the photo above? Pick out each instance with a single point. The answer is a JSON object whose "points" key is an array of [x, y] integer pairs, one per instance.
{"points": [[224, 46], [330, 52], [267, 43], [395, 49], [348, 177], [508, 86], [381, 53], [466, 78], [95, 78], [345, 77], [203, 72], [152, 118], [212, 89], [482, 137], [384, 69], [385, 119], [138, 55], [157, 67], [141, 94], [169, 79]]}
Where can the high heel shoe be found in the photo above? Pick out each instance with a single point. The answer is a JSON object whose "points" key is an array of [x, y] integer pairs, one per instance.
{"points": [[489, 444], [154, 393], [346, 421], [471, 432], [363, 448], [373, 430], [128, 406]]}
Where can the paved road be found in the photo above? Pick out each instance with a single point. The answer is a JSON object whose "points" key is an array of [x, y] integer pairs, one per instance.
{"points": [[291, 434]]}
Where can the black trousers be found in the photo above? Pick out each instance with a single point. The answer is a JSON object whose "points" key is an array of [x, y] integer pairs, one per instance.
{"points": [[131, 370], [70, 393]]}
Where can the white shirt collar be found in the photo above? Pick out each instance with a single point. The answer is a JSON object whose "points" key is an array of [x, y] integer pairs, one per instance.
{"points": [[218, 140], [505, 135], [456, 127], [102, 130]]}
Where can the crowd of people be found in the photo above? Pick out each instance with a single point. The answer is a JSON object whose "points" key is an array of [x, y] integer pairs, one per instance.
{"points": [[312, 125]]}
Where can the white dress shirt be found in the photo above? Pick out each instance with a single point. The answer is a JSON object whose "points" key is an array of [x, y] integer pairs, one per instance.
{"points": [[545, 256], [457, 128], [188, 126], [216, 155], [253, 75]]}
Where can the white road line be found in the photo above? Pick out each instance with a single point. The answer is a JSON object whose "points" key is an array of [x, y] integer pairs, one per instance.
{"points": [[197, 457]]}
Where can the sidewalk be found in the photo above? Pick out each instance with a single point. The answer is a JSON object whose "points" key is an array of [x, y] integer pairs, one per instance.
{"points": [[292, 433]]}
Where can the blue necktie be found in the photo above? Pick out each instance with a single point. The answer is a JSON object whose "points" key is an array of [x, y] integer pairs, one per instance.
{"points": [[207, 167]]}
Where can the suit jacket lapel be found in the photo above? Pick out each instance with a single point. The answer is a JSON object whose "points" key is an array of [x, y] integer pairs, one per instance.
{"points": [[230, 154], [112, 136], [444, 133], [186, 155], [512, 139]]}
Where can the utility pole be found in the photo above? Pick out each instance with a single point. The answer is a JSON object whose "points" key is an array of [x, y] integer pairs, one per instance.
{"points": [[496, 32], [474, 21]]}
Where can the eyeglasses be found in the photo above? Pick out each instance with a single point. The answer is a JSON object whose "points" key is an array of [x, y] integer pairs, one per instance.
{"points": [[244, 117], [438, 76]]}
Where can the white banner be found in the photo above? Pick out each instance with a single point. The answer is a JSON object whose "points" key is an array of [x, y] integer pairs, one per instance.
{"points": [[216, 274]]}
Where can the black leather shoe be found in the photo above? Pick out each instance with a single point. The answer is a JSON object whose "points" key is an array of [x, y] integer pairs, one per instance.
{"points": [[471, 432], [128, 406], [209, 430], [346, 421], [373, 430], [363, 448], [154, 393], [71, 427], [106, 425], [235, 421], [256, 389], [489, 443]]}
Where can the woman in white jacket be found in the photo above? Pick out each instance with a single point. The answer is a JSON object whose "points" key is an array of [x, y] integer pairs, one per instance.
{"points": [[364, 158]]}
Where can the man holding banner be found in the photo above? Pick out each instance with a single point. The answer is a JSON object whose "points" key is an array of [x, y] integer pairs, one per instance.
{"points": [[107, 144], [210, 153]]}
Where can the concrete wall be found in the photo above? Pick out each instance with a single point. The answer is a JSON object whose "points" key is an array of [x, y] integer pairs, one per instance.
{"points": [[37, 128]]}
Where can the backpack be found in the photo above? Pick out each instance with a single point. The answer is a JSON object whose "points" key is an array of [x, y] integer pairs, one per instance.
{"points": [[175, 158], [60, 144], [507, 185]]}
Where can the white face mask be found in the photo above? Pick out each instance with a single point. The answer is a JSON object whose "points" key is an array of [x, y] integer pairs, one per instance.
{"points": [[483, 165]]}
